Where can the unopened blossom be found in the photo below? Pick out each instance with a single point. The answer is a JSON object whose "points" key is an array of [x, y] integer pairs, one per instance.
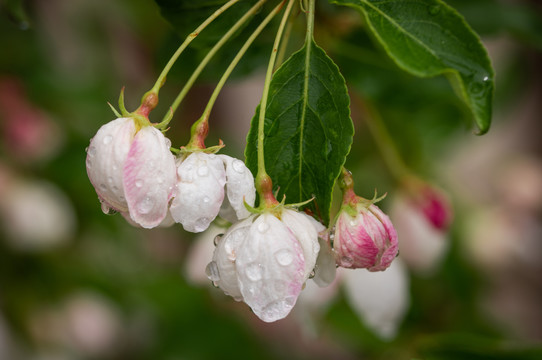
{"points": [[132, 169], [264, 261], [209, 185], [432, 202], [364, 236], [366, 239], [422, 246]]}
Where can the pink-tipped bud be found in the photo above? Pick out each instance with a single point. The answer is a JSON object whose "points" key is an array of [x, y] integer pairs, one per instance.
{"points": [[365, 238], [432, 202]]}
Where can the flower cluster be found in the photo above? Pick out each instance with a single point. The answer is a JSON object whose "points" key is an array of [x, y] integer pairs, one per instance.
{"points": [[130, 165]]}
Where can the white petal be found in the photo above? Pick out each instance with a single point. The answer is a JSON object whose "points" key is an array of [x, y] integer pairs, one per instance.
{"points": [[270, 268], [106, 155], [200, 191], [305, 230], [225, 256], [421, 245], [381, 299], [239, 189], [149, 177], [325, 269]]}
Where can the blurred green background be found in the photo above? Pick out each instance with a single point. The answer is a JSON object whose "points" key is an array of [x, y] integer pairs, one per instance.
{"points": [[77, 284]]}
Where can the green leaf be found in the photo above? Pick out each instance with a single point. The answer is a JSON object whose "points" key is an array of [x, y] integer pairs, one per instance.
{"points": [[429, 38], [308, 130]]}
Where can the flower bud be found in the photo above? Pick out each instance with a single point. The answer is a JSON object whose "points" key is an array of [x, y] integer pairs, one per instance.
{"points": [[432, 202], [264, 260], [132, 170], [364, 237], [210, 184]]}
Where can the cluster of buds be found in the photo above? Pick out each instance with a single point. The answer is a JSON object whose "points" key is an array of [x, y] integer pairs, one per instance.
{"points": [[131, 166]]}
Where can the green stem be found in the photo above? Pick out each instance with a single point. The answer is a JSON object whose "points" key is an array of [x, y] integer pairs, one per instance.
{"points": [[384, 142], [200, 127], [263, 181], [162, 78], [210, 55], [285, 39]]}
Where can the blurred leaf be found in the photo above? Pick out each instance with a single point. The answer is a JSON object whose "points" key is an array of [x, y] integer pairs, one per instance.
{"points": [[308, 130], [428, 38], [16, 12], [491, 17]]}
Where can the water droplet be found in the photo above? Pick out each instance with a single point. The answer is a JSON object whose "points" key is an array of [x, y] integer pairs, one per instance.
{"points": [[346, 261], [289, 301], [121, 198], [212, 271], [312, 274], [353, 223], [139, 183], [115, 188], [115, 167], [91, 151], [284, 257], [107, 210], [254, 271], [486, 78], [263, 227], [217, 239], [103, 187], [145, 206], [434, 9], [238, 166], [107, 139], [89, 163], [206, 199], [203, 171], [110, 179], [168, 143]]}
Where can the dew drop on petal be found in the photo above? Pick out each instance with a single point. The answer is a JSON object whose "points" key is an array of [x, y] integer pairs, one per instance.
{"points": [[238, 166], [107, 139], [263, 227], [201, 224], [206, 199], [115, 167], [145, 206], [139, 183], [312, 274], [254, 271], [203, 171], [103, 187], [121, 198], [353, 223], [346, 261], [107, 210], [212, 271], [91, 151], [217, 239], [284, 257]]}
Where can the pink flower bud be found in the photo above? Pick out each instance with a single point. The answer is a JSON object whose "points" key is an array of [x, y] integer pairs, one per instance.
{"points": [[132, 170], [364, 237], [432, 202]]}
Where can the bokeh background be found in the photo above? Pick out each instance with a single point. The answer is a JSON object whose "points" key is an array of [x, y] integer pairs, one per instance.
{"points": [[78, 284]]}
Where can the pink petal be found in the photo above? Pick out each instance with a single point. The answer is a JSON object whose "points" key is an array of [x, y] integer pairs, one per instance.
{"points": [[106, 155], [270, 268], [149, 177]]}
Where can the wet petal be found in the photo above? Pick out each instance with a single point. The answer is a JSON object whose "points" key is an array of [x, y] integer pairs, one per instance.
{"points": [[270, 267], [200, 191], [305, 230], [149, 177], [106, 155], [225, 256], [239, 189]]}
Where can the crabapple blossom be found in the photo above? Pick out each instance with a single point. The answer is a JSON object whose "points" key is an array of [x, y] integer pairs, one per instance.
{"points": [[364, 236], [132, 169], [365, 240], [265, 259], [208, 185]]}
